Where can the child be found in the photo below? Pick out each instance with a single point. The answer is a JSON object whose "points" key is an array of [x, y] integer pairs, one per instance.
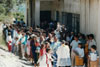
{"points": [[42, 58], [48, 58], [9, 42], [93, 60], [16, 46], [22, 40], [79, 52], [28, 48]]}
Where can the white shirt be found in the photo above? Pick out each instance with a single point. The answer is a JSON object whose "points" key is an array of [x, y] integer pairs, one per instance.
{"points": [[93, 56], [19, 36], [8, 39], [91, 42], [15, 33], [80, 51], [74, 44]]}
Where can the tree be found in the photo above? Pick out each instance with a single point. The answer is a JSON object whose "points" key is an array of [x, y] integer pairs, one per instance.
{"points": [[2, 9]]}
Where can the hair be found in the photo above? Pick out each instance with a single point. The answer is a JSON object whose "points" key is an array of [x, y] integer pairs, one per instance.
{"points": [[76, 36], [9, 33], [42, 45], [94, 47], [80, 44], [63, 41], [47, 50], [91, 35]]}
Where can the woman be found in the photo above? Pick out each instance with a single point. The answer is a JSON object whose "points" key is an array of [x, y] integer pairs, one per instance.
{"points": [[63, 53], [34, 50]]}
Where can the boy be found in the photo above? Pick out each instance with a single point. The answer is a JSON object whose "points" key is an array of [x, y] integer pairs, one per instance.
{"points": [[79, 52], [93, 60], [16, 46]]}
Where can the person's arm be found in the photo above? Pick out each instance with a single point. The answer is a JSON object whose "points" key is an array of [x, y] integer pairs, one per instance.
{"points": [[88, 61], [98, 58]]}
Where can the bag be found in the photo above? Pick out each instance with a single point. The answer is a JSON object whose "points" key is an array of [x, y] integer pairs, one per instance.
{"points": [[79, 61]]}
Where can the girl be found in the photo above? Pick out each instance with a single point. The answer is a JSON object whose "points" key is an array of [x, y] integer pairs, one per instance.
{"points": [[48, 58], [28, 48], [9, 42], [42, 56]]}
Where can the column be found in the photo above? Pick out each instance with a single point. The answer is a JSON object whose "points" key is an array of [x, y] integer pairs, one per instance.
{"points": [[82, 16], [37, 12]]}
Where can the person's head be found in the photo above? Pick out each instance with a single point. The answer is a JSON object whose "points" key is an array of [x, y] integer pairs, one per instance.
{"points": [[29, 38], [16, 38], [48, 50], [50, 35], [21, 19], [55, 39], [23, 34], [80, 45], [66, 43], [76, 37], [93, 48], [91, 36], [47, 45], [42, 38], [9, 33], [42, 46], [72, 33], [35, 38], [63, 42]]}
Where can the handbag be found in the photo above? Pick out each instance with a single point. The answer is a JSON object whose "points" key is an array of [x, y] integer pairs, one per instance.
{"points": [[79, 61]]}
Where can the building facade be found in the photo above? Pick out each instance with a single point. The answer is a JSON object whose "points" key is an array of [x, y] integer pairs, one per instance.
{"points": [[80, 14]]}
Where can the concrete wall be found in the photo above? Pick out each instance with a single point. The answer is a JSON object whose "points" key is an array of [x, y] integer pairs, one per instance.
{"points": [[46, 5]]}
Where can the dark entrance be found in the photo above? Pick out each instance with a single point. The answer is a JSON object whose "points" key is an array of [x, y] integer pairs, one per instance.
{"points": [[45, 16], [72, 21]]}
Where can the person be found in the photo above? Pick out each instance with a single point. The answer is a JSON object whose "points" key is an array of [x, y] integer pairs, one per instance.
{"points": [[34, 50], [79, 51], [48, 58], [16, 46], [91, 41], [63, 53], [28, 48], [9, 42], [22, 40], [42, 58], [93, 60], [74, 45], [21, 22]]}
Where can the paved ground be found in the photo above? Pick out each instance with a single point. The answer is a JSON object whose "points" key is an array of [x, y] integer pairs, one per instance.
{"points": [[10, 60]]}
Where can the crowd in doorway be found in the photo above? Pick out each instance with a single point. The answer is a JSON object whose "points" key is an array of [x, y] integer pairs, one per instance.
{"points": [[50, 46]]}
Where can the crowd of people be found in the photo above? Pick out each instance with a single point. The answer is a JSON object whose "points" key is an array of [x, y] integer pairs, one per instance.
{"points": [[51, 47]]}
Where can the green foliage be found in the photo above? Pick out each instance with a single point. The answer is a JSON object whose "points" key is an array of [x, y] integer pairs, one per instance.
{"points": [[18, 15], [7, 5], [2, 9]]}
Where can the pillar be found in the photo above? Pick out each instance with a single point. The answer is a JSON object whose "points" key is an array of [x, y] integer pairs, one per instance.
{"points": [[82, 16], [37, 12]]}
